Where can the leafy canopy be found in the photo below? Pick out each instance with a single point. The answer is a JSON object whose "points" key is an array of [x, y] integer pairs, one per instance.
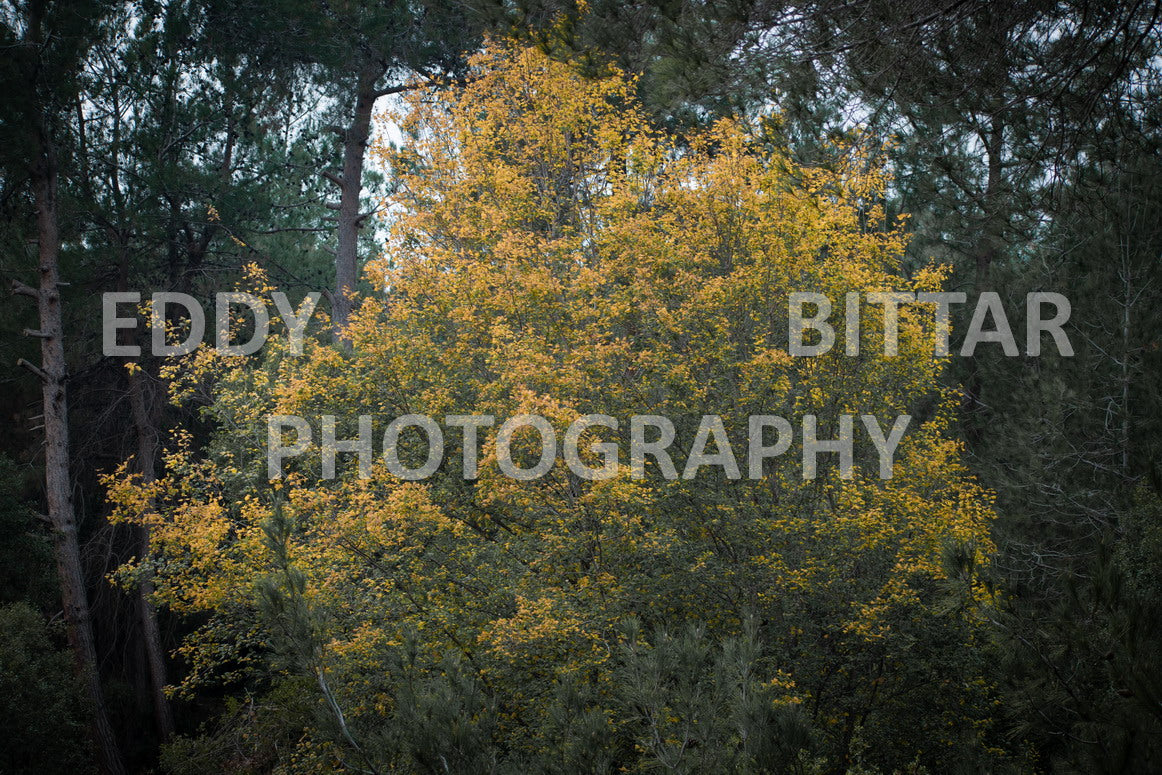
{"points": [[549, 253]]}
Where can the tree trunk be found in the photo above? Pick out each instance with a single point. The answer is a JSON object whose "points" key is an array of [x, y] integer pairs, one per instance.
{"points": [[992, 242], [994, 214], [58, 486], [145, 425], [350, 184], [154, 654]]}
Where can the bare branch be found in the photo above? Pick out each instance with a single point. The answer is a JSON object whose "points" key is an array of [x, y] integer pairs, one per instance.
{"points": [[19, 288], [34, 369], [431, 83]]}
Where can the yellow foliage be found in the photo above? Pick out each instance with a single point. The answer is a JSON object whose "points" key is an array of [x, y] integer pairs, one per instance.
{"points": [[550, 253]]}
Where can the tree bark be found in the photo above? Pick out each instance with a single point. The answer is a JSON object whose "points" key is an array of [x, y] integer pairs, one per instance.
{"points": [[154, 653], [58, 486], [994, 218], [994, 214], [350, 182], [145, 425]]}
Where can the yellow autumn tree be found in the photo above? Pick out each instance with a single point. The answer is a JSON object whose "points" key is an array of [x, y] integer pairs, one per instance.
{"points": [[552, 254]]}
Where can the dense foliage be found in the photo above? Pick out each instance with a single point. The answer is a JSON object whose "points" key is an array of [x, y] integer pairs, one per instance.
{"points": [[569, 209], [630, 279]]}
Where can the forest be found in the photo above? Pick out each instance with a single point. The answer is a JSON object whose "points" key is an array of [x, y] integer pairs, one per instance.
{"points": [[581, 386]]}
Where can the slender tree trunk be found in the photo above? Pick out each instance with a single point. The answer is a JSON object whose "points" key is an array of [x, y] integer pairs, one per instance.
{"points": [[993, 242], [1126, 378], [990, 247], [58, 486], [350, 182], [146, 427]]}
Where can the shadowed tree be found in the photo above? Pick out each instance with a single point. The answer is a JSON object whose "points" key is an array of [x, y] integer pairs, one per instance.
{"points": [[47, 42], [354, 54]]}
